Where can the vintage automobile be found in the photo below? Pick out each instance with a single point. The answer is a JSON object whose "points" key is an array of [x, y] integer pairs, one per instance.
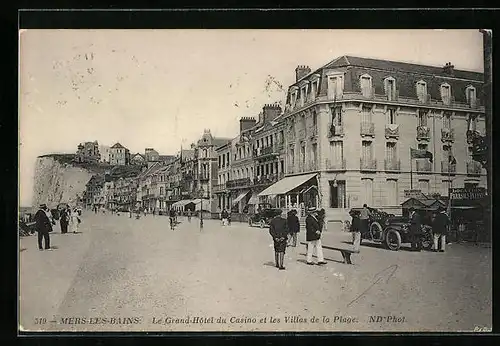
{"points": [[263, 217], [390, 230]]}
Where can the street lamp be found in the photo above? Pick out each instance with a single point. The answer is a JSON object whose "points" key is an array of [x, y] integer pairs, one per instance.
{"points": [[201, 208]]}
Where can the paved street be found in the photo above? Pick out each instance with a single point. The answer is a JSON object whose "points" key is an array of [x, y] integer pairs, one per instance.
{"points": [[126, 274]]}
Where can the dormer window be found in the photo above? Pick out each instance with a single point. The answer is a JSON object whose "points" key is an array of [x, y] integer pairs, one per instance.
{"points": [[335, 86], [366, 85], [470, 95], [422, 91], [390, 88], [303, 94], [446, 93]]}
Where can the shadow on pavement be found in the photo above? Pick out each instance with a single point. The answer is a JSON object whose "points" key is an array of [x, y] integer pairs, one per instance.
{"points": [[326, 259], [270, 264]]}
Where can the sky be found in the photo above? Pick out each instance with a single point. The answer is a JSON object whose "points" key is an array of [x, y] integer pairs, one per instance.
{"points": [[162, 88]]}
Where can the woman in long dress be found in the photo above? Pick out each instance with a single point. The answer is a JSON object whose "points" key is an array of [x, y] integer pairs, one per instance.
{"points": [[74, 221]]}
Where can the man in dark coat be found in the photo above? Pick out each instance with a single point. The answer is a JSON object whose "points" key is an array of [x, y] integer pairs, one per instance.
{"points": [[314, 228], [279, 231], [43, 226], [415, 230], [440, 229], [293, 227], [64, 220], [355, 229]]}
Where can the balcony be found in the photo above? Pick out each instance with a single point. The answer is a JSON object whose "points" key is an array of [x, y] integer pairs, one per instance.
{"points": [[175, 198], [335, 130], [367, 129], [471, 135], [424, 165], [266, 151], [423, 133], [474, 168], [392, 165], [368, 164], [238, 183], [392, 131], [220, 188], [267, 179], [447, 135], [335, 165], [448, 168]]}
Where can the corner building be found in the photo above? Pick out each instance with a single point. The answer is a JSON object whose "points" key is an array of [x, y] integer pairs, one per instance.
{"points": [[353, 121]]}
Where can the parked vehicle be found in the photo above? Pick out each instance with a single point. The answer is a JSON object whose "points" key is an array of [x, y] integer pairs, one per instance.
{"points": [[392, 231], [263, 217]]}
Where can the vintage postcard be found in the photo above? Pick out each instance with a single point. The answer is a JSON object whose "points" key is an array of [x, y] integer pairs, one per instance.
{"points": [[254, 180]]}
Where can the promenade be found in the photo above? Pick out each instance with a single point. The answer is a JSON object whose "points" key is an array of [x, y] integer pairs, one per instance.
{"points": [[122, 274]]}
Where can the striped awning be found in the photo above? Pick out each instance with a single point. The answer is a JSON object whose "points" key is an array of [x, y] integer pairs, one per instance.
{"points": [[287, 184], [240, 196]]}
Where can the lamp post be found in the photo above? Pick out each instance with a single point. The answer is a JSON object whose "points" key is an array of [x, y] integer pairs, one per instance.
{"points": [[201, 207]]}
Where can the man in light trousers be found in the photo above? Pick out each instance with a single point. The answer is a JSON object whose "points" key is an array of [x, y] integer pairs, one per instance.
{"points": [[313, 237]]}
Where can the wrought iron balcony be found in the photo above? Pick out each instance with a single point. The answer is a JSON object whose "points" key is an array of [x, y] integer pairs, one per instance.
{"points": [[392, 131], [423, 132], [238, 183], [474, 167], [266, 151], [335, 165], [267, 179], [392, 165], [448, 168], [367, 129], [219, 188], [335, 130], [423, 165], [368, 164], [447, 135]]}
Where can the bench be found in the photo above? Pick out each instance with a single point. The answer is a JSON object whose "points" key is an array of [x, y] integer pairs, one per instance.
{"points": [[346, 253]]}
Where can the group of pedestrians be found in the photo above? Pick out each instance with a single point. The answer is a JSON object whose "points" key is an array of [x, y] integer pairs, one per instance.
{"points": [[225, 217], [44, 222], [284, 233]]}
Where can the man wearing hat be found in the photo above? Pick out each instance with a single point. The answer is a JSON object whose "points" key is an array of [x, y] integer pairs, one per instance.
{"points": [[415, 230], [440, 228], [43, 226], [314, 227], [279, 231]]}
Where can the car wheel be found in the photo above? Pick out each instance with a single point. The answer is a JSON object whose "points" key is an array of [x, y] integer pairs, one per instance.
{"points": [[250, 223], [427, 241], [376, 231], [262, 224], [393, 240]]}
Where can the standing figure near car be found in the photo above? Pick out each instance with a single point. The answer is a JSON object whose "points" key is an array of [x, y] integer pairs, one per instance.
{"points": [[355, 230], [313, 236], [293, 227], [279, 231], [364, 219], [415, 230], [224, 216], [440, 229]]}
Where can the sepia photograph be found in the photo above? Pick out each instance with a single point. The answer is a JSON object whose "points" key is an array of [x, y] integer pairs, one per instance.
{"points": [[240, 180]]}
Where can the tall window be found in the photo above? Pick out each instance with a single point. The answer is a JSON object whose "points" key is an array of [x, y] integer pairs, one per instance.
{"points": [[282, 166], [366, 115], [337, 194], [315, 120], [422, 91], [367, 185], [314, 149], [161, 190], [391, 116], [366, 85], [447, 121], [446, 152], [390, 88], [472, 123], [314, 90], [366, 151], [303, 95], [390, 151], [336, 116], [292, 155], [336, 152], [303, 154], [303, 121], [470, 94], [423, 186], [334, 87], [392, 192], [422, 117], [446, 93]]}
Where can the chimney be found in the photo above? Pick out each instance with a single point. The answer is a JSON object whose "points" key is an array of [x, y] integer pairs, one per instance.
{"points": [[247, 123], [301, 71], [448, 68], [270, 112]]}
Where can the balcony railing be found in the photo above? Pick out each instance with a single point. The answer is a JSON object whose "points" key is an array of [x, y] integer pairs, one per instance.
{"points": [[392, 165], [335, 130], [335, 165], [367, 129], [219, 188], [424, 165], [447, 135], [391, 131], [448, 168], [368, 164], [423, 132], [238, 183], [474, 167], [267, 179]]}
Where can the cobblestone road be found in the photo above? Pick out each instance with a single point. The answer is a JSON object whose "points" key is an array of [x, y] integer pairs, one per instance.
{"points": [[125, 274]]}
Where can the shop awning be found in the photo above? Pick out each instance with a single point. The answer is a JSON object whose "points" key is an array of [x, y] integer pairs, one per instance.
{"points": [[182, 203], [253, 200], [240, 196], [287, 184], [198, 204]]}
